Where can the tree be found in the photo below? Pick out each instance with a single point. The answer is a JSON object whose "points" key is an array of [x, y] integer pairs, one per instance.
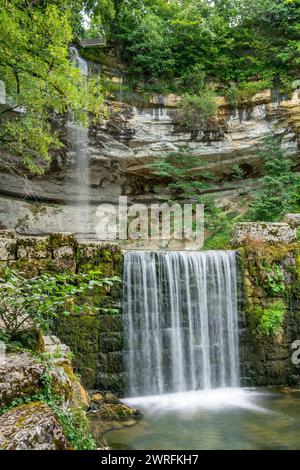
{"points": [[232, 40], [279, 187], [41, 82], [145, 41], [195, 111], [188, 180]]}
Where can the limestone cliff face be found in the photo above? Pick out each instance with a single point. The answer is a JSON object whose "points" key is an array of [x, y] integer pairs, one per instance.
{"points": [[120, 150]]}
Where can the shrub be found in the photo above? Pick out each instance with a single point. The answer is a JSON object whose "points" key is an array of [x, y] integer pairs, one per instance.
{"points": [[196, 110], [40, 299], [274, 281], [272, 318]]}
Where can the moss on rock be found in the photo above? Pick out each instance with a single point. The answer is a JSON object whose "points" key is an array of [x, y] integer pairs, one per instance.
{"points": [[271, 282]]}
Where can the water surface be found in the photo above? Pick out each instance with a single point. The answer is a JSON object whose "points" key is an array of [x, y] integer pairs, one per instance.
{"points": [[215, 419]]}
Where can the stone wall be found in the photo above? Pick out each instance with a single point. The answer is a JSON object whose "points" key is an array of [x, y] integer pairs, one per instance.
{"points": [[96, 340], [270, 273], [271, 278]]}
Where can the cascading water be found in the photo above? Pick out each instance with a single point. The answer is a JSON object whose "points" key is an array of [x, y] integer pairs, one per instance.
{"points": [[78, 139], [79, 61], [181, 321]]}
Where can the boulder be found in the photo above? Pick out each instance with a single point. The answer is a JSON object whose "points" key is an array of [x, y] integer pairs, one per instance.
{"points": [[31, 427], [21, 376], [52, 345], [80, 397], [118, 412]]}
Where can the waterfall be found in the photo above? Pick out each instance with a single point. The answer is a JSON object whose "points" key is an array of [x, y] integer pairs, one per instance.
{"points": [[77, 136], [181, 321], [80, 63]]}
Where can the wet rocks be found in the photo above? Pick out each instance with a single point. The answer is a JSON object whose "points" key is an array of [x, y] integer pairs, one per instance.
{"points": [[107, 406]]}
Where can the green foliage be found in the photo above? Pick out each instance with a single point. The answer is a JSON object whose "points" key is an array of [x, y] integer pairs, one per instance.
{"points": [[274, 280], [237, 172], [187, 179], [196, 110], [271, 318], [232, 95], [75, 425], [234, 41], [247, 90], [193, 79], [41, 82], [40, 299], [185, 173], [220, 241], [279, 191], [147, 42]]}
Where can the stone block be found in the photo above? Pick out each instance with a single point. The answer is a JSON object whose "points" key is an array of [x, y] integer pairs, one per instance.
{"points": [[8, 249], [63, 239], [64, 252], [33, 248], [111, 323], [7, 234], [272, 233], [293, 220], [110, 342], [111, 363], [60, 265], [31, 267]]}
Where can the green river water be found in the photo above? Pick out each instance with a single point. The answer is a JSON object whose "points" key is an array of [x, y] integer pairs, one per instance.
{"points": [[214, 419]]}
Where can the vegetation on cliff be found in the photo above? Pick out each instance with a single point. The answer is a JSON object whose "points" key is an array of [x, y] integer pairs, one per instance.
{"points": [[279, 191], [232, 41], [40, 80]]}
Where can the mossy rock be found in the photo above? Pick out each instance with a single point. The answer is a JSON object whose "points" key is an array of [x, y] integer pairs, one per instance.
{"points": [[31, 339], [31, 427], [33, 248], [119, 411], [30, 267], [111, 362], [110, 382], [58, 240], [111, 342]]}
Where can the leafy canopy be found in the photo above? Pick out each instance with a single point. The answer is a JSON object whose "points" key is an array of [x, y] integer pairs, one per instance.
{"points": [[233, 40], [41, 82]]}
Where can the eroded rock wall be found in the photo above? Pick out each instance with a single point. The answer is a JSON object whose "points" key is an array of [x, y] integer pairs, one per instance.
{"points": [[121, 148]]}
